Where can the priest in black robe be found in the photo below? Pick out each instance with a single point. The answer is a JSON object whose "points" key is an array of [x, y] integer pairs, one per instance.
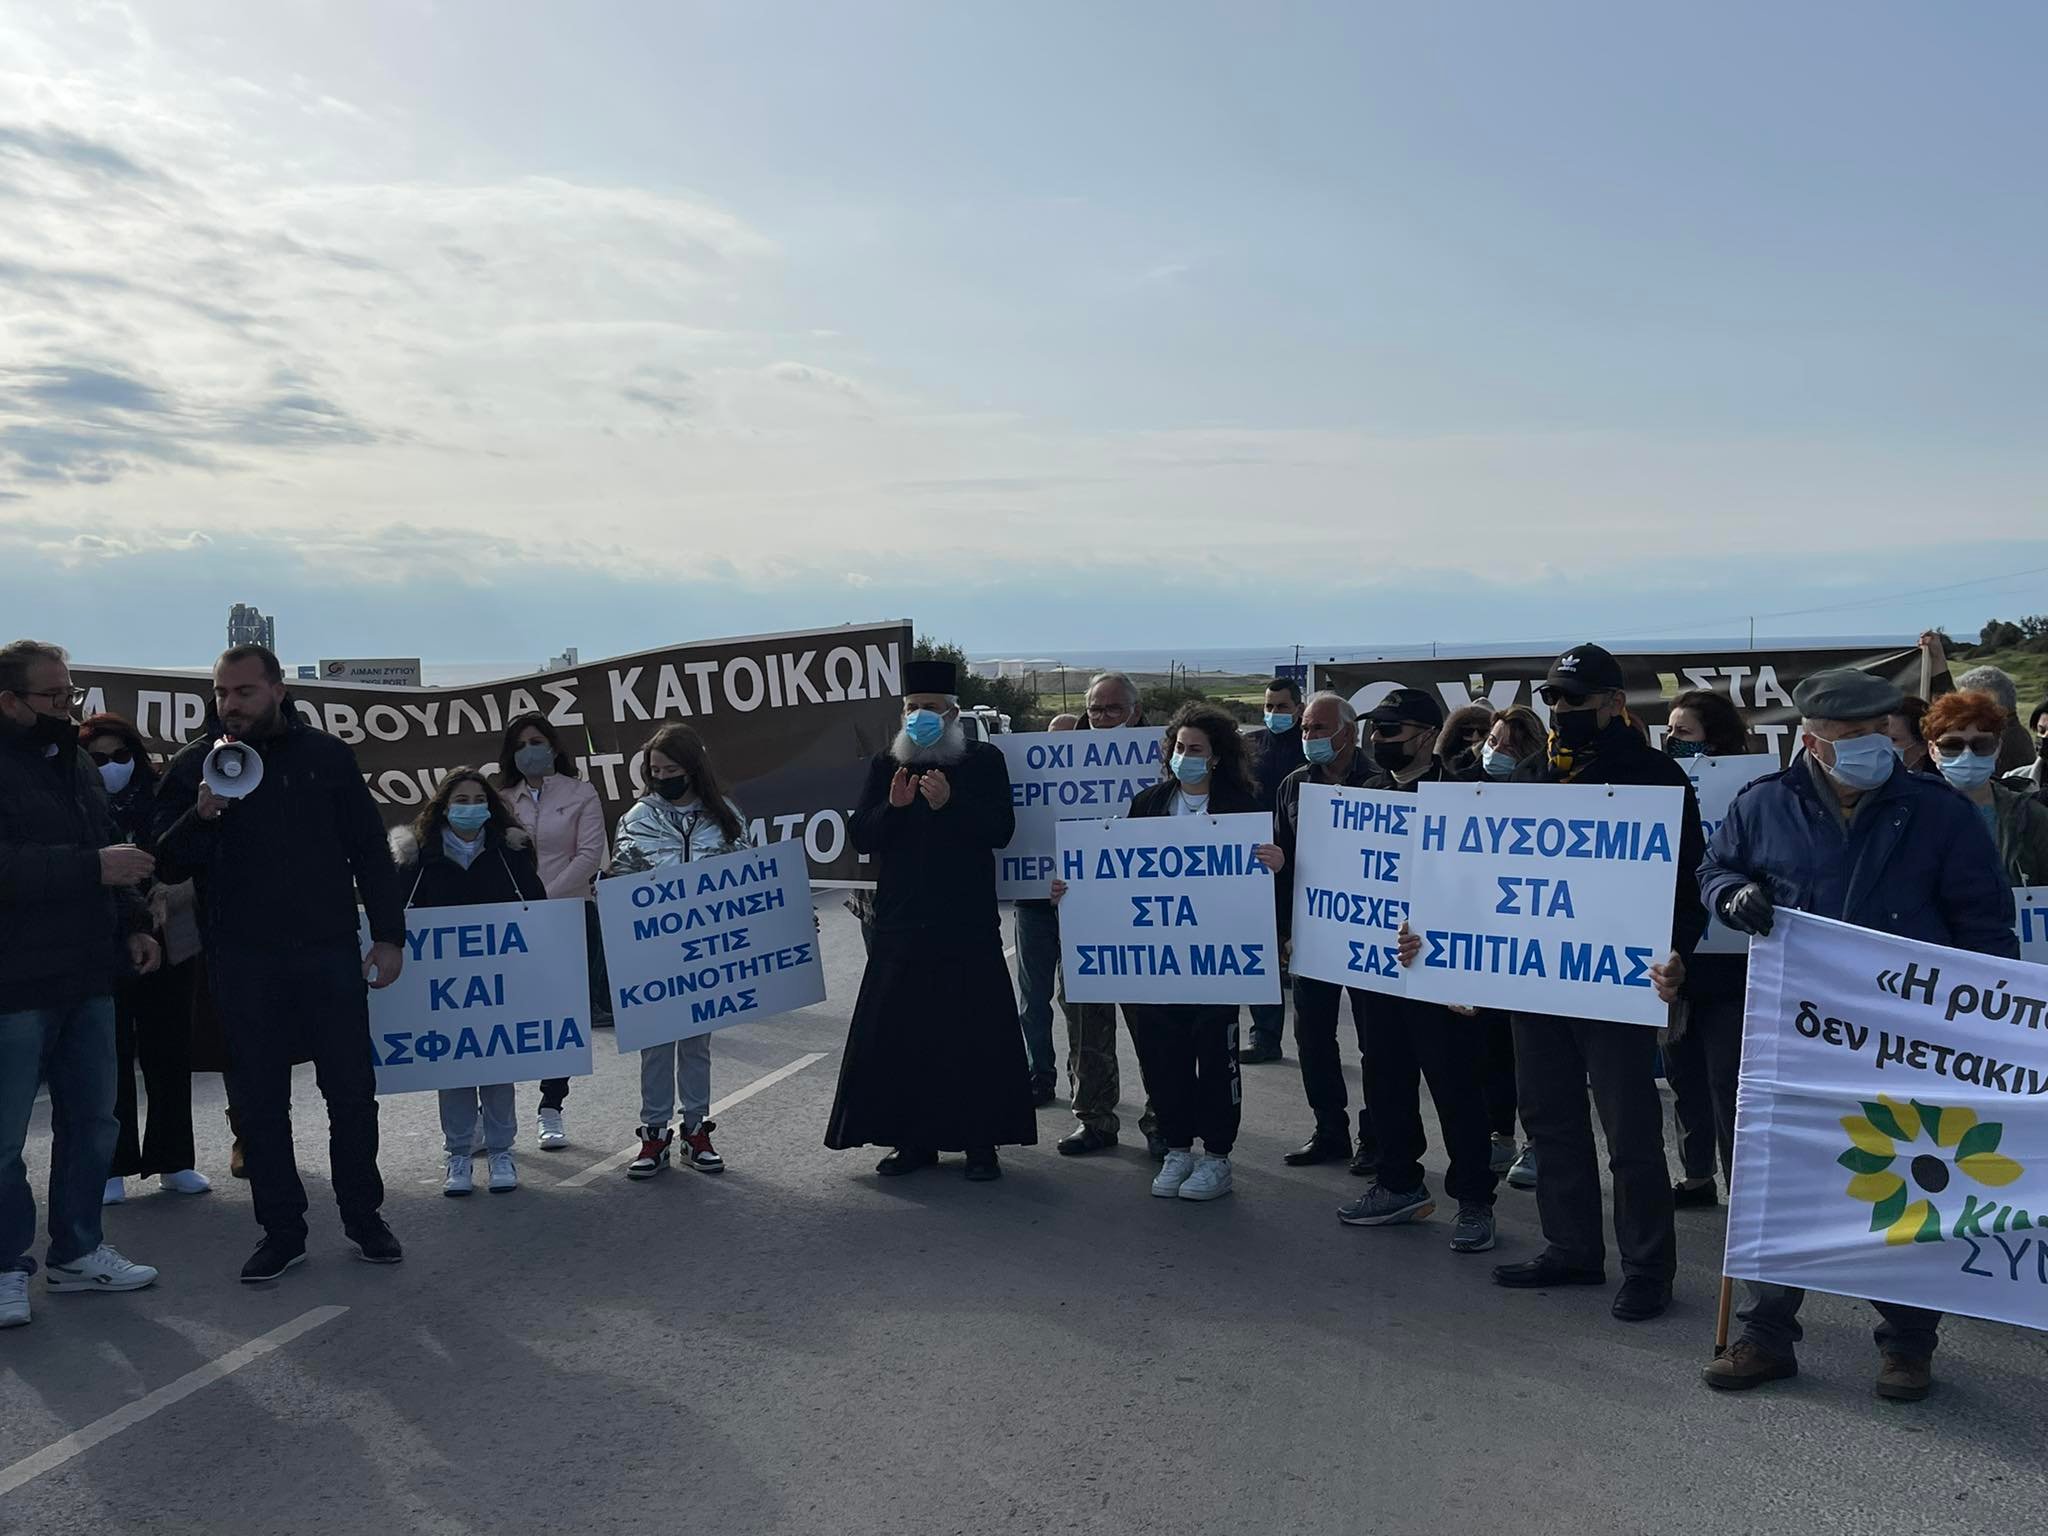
{"points": [[934, 1061]]}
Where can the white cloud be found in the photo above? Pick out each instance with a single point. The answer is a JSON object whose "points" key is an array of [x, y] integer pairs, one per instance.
{"points": [[236, 303]]}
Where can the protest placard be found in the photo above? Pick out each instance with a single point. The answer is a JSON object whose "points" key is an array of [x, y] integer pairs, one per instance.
{"points": [[498, 993], [1545, 898], [1758, 681], [2030, 922], [1717, 781], [1891, 1123], [703, 945], [1060, 776], [1352, 854], [790, 719], [1168, 909]]}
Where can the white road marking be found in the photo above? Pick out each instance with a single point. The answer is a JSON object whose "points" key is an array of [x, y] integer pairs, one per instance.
{"points": [[156, 1402], [597, 1171]]}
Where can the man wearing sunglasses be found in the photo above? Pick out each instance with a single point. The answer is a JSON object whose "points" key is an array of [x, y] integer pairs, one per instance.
{"points": [[1849, 832], [74, 921], [1593, 741]]}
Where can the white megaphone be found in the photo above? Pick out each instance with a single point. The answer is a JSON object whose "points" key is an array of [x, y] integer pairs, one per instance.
{"points": [[232, 770]]}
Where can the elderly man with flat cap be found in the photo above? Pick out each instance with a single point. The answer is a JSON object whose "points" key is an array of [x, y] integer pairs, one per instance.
{"points": [[1849, 832], [934, 1062]]}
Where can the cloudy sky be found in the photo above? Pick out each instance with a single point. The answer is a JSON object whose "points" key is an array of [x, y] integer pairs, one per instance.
{"points": [[476, 330]]}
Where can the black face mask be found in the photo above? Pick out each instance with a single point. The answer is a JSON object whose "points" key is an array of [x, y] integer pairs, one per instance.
{"points": [[54, 731], [1575, 728], [673, 789], [1393, 755], [2043, 749]]}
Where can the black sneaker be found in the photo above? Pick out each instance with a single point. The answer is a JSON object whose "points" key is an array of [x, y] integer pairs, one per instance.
{"points": [[1694, 1196], [273, 1256], [1041, 1092], [374, 1242], [1155, 1146], [1258, 1051]]}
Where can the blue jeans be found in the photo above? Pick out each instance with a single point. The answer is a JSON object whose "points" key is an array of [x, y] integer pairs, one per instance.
{"points": [[1038, 963], [73, 1047]]}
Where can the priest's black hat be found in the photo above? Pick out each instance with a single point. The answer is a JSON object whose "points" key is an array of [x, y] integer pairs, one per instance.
{"points": [[930, 677]]}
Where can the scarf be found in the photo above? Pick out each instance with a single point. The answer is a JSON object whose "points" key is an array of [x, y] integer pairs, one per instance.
{"points": [[1568, 762]]}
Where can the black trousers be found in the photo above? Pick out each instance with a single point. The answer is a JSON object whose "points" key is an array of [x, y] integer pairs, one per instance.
{"points": [[1702, 1068], [554, 1091], [281, 1005], [1317, 1005], [1499, 1071], [1188, 1053], [1555, 1059], [153, 1030], [1408, 1043]]}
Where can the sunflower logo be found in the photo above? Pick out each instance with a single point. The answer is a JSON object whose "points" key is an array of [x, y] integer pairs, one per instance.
{"points": [[1903, 1155]]}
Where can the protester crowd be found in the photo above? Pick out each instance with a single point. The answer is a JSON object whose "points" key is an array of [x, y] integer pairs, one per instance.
{"points": [[157, 923]]}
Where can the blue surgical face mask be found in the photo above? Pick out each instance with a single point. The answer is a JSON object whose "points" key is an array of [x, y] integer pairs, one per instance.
{"points": [[1498, 764], [1319, 749], [1681, 750], [468, 818], [1972, 770], [1863, 762], [1279, 722], [924, 726], [1190, 770]]}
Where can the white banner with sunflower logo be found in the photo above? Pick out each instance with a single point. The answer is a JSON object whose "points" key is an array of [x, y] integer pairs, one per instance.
{"points": [[1891, 1133]]}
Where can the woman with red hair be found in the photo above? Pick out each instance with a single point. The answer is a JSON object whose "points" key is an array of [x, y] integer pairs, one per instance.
{"points": [[1964, 732]]}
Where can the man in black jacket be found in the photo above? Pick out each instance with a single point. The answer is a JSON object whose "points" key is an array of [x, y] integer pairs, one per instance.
{"points": [[1593, 741], [1276, 752], [1409, 1042], [1329, 732], [69, 909], [278, 873]]}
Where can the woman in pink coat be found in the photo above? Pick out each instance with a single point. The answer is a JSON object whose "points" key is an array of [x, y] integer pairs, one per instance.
{"points": [[538, 782]]}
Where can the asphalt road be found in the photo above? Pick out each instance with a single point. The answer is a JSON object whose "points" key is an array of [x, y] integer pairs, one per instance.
{"points": [[799, 1346]]}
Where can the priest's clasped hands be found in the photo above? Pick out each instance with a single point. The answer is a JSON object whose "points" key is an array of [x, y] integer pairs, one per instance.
{"points": [[931, 783]]}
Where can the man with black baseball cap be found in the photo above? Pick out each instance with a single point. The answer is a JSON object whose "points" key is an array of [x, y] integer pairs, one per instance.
{"points": [[1408, 1041], [1593, 741]]}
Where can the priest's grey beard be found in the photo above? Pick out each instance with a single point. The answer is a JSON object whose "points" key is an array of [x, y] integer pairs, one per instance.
{"points": [[949, 748]]}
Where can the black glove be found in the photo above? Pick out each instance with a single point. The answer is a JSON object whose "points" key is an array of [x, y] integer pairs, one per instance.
{"points": [[1749, 910]]}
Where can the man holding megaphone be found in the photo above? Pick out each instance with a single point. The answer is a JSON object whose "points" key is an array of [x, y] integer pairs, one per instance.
{"points": [[271, 817]]}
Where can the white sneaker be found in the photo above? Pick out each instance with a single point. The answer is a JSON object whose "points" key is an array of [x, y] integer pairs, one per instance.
{"points": [[13, 1298], [115, 1192], [101, 1270], [504, 1173], [552, 1137], [1173, 1173], [1210, 1179], [187, 1181], [460, 1180]]}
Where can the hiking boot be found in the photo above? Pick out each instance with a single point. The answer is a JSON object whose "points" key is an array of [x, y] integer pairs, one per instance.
{"points": [[1903, 1380], [1743, 1365]]}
